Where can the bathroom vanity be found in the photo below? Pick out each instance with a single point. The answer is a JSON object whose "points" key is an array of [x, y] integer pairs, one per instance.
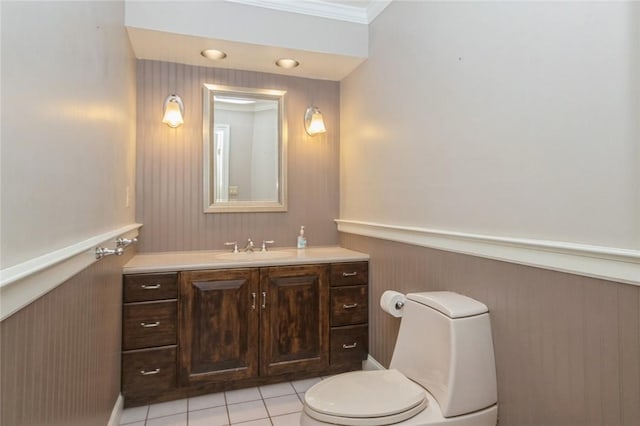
{"points": [[208, 321]]}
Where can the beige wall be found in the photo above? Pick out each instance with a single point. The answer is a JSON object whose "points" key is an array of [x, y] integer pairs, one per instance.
{"points": [[169, 163], [567, 347], [68, 125], [510, 119]]}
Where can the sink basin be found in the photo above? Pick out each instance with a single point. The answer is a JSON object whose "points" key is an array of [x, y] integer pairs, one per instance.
{"points": [[254, 256]]}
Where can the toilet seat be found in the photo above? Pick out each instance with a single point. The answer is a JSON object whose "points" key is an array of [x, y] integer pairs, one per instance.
{"points": [[368, 398]]}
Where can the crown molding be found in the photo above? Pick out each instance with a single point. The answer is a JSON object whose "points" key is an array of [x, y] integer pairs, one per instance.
{"points": [[374, 9], [322, 9]]}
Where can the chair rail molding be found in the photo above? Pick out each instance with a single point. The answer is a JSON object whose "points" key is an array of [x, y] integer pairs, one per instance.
{"points": [[23, 283], [609, 263]]}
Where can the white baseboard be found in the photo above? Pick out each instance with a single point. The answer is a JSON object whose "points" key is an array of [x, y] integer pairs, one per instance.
{"points": [[116, 413], [371, 364]]}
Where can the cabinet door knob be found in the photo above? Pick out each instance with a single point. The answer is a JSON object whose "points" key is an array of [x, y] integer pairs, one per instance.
{"points": [[349, 274], [253, 301], [151, 324], [264, 299], [350, 306], [149, 373], [351, 346]]}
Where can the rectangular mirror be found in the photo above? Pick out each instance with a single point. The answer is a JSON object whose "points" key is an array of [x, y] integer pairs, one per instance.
{"points": [[245, 149]]}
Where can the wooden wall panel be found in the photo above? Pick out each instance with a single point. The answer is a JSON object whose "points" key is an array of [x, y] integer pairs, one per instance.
{"points": [[60, 355], [169, 198], [567, 347]]}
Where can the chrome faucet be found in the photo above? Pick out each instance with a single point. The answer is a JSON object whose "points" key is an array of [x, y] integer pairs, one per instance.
{"points": [[264, 244], [249, 246], [234, 244]]}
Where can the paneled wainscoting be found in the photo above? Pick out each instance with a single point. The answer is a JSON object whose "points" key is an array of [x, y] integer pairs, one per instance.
{"points": [[60, 355], [567, 346]]}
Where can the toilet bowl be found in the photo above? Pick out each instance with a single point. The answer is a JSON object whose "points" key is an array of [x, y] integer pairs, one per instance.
{"points": [[365, 398], [442, 372], [431, 415]]}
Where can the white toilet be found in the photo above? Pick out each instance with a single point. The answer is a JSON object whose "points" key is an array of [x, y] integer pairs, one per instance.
{"points": [[442, 372]]}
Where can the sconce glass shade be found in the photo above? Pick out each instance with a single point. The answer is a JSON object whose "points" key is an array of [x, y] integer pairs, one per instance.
{"points": [[173, 111], [313, 121]]}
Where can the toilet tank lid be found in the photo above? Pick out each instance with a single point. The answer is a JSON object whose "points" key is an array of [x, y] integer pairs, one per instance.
{"points": [[451, 304]]}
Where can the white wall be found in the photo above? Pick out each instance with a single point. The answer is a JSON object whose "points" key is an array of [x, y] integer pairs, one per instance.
{"points": [[507, 119], [68, 125], [265, 155], [241, 134]]}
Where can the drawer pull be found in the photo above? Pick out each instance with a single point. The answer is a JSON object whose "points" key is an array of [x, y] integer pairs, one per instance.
{"points": [[151, 324], [149, 373], [349, 274], [150, 287], [351, 346], [350, 306]]}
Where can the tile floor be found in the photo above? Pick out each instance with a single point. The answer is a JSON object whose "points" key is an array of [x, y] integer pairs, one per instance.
{"points": [[278, 405]]}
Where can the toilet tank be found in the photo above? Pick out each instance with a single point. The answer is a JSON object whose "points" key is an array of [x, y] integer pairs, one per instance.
{"points": [[445, 345]]}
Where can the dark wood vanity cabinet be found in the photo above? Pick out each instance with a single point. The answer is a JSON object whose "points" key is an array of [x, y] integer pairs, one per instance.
{"points": [[242, 323], [349, 315], [195, 332], [294, 324], [219, 314], [149, 327]]}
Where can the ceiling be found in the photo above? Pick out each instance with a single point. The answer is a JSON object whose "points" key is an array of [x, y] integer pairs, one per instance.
{"points": [[155, 39]]}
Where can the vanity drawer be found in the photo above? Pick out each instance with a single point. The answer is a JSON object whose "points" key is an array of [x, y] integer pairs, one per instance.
{"points": [[349, 305], [349, 273], [349, 344], [142, 287], [149, 370], [149, 324]]}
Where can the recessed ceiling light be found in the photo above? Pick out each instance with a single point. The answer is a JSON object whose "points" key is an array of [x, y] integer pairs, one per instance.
{"points": [[287, 63], [213, 54]]}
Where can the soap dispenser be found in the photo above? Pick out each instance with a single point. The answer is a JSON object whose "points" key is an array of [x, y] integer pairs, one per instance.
{"points": [[302, 240]]}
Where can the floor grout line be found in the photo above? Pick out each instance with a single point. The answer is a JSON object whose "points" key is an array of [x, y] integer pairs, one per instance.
{"points": [[226, 408], [262, 398]]}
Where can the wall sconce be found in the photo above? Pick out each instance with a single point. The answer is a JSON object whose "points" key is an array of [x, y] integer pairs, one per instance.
{"points": [[313, 121], [173, 111]]}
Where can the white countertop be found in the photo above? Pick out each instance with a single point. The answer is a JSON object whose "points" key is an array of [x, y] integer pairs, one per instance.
{"points": [[193, 260]]}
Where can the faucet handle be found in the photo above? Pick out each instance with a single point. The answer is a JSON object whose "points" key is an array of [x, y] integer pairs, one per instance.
{"points": [[264, 244], [234, 244]]}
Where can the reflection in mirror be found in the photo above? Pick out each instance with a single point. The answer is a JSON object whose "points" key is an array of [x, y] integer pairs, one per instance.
{"points": [[244, 135]]}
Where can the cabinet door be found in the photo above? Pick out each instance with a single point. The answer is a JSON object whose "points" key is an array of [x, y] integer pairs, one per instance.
{"points": [[294, 321], [218, 325]]}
